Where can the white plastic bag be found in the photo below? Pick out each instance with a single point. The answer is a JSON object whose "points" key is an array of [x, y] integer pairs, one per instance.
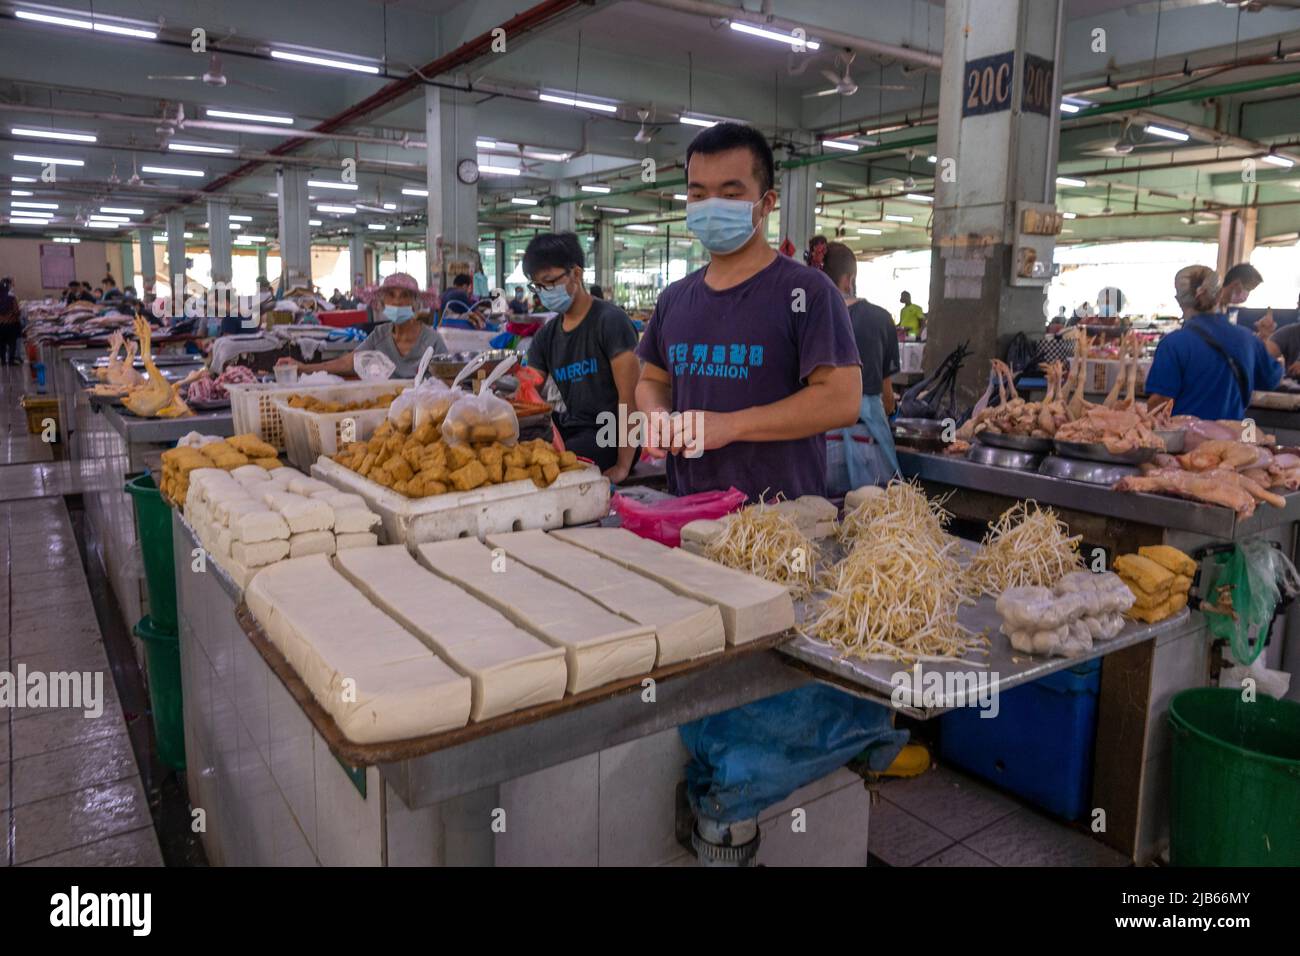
{"points": [[424, 400], [320, 378], [372, 366], [482, 418]]}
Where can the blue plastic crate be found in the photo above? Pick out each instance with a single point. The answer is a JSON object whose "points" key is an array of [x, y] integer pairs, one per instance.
{"points": [[1039, 746]]}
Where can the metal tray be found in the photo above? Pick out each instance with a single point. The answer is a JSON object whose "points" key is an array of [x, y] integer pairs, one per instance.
{"points": [[447, 365], [1175, 440], [1015, 442], [1004, 457], [1095, 451], [1092, 472], [925, 434]]}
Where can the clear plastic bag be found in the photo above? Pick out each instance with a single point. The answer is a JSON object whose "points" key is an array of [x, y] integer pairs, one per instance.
{"points": [[424, 401], [372, 366], [663, 520], [482, 418]]}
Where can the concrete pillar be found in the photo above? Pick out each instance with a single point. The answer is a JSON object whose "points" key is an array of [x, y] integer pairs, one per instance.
{"points": [[500, 257], [564, 215], [999, 121], [219, 240], [798, 207], [295, 232], [176, 254], [261, 260], [357, 255], [148, 269], [127, 278], [451, 236], [1236, 238], [604, 276]]}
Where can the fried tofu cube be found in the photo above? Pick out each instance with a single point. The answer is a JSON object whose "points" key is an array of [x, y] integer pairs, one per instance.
{"points": [[535, 473], [568, 458], [367, 464], [550, 471], [469, 476], [514, 473], [515, 457], [495, 472], [412, 455], [458, 456], [426, 434], [399, 469], [491, 454]]}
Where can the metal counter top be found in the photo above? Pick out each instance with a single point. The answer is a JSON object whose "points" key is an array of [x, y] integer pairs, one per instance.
{"points": [[1004, 666], [162, 431], [1156, 510], [173, 368]]}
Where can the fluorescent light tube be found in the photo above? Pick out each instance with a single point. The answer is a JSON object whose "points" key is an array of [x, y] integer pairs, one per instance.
{"points": [[172, 171], [841, 144], [26, 221], [1069, 215], [390, 206], [919, 197], [893, 218], [691, 120], [21, 192], [547, 156], [199, 148], [611, 209], [538, 218], [594, 188], [122, 210], [314, 222], [22, 179], [235, 217], [412, 191], [47, 160], [34, 205], [1173, 134], [54, 134], [70, 240], [637, 227], [1281, 161], [575, 101], [1068, 181], [783, 38], [50, 18], [324, 61], [499, 170], [523, 201], [376, 226], [680, 197], [346, 210], [251, 117], [870, 232], [327, 184]]}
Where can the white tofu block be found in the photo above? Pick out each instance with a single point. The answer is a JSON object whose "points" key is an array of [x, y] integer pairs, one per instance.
{"points": [[223, 542], [311, 542], [253, 527], [254, 473], [371, 675], [259, 554], [303, 485], [241, 574], [353, 520], [340, 499], [859, 495], [361, 539], [203, 478], [302, 513], [684, 627], [509, 668], [751, 607], [280, 477], [600, 647], [227, 513]]}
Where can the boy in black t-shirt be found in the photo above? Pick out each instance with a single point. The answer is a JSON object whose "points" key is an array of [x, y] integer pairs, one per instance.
{"points": [[587, 349]]}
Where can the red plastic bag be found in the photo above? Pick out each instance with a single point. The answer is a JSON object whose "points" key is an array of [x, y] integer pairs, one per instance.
{"points": [[663, 521], [529, 380]]}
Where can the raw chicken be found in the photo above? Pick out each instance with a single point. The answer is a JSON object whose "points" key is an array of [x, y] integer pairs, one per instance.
{"points": [[1217, 487], [155, 398], [1222, 454]]}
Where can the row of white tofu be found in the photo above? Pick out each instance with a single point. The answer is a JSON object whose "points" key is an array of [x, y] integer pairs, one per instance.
{"points": [[393, 647], [250, 517]]}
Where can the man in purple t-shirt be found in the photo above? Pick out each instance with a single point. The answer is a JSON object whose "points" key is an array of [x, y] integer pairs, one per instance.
{"points": [[756, 349]]}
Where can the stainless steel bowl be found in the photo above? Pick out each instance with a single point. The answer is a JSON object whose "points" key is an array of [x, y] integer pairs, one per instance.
{"points": [[1175, 440], [1096, 451], [1015, 442], [1092, 472], [1003, 457], [447, 365]]}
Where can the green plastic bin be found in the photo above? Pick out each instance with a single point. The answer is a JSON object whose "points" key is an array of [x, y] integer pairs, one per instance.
{"points": [[162, 649], [153, 525], [1236, 780]]}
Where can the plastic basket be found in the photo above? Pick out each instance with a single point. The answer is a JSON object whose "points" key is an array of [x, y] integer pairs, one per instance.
{"points": [[308, 435], [254, 411]]}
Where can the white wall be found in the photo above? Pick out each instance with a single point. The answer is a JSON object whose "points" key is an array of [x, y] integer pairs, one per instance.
{"points": [[21, 258]]}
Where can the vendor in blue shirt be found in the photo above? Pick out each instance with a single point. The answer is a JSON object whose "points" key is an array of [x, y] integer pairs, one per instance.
{"points": [[1209, 367]]}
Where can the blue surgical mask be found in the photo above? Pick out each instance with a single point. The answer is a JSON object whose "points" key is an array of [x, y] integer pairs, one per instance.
{"points": [[555, 300], [398, 313], [721, 225]]}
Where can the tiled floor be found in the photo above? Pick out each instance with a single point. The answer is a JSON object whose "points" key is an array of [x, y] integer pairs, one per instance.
{"points": [[944, 818], [70, 790]]}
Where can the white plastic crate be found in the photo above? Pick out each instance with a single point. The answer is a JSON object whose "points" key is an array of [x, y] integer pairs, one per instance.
{"points": [[1101, 374], [308, 435], [575, 497], [254, 411]]}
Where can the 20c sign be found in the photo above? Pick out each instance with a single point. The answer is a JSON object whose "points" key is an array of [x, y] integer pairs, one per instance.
{"points": [[988, 84]]}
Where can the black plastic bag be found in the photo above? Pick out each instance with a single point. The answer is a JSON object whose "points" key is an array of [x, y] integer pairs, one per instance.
{"points": [[935, 396]]}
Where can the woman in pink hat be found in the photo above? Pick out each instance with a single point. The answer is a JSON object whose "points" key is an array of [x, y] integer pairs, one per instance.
{"points": [[398, 335]]}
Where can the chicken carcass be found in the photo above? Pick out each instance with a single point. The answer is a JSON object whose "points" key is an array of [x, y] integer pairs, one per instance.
{"points": [[1120, 430], [1228, 489], [1222, 454], [154, 398]]}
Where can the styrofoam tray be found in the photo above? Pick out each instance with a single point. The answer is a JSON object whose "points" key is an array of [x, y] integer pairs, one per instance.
{"points": [[575, 497]]}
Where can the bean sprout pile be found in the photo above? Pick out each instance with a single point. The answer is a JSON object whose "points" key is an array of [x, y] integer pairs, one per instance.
{"points": [[1029, 545], [767, 543]]}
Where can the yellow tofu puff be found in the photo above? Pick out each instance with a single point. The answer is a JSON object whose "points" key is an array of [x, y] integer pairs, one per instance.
{"points": [[1169, 558], [1145, 573]]}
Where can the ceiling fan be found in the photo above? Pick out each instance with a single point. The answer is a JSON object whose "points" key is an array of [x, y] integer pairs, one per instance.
{"points": [[214, 76], [1131, 136], [843, 83]]}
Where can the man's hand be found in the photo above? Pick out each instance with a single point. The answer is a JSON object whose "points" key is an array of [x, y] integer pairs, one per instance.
{"points": [[617, 474], [702, 431], [1266, 326], [1294, 370]]}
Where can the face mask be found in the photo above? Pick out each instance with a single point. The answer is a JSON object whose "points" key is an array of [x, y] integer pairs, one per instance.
{"points": [[721, 225], [555, 300], [398, 313]]}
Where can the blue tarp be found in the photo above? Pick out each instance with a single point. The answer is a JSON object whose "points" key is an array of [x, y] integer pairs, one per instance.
{"points": [[747, 759]]}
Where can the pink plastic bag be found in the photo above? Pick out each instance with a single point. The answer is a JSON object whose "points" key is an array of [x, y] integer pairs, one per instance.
{"points": [[663, 521]]}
